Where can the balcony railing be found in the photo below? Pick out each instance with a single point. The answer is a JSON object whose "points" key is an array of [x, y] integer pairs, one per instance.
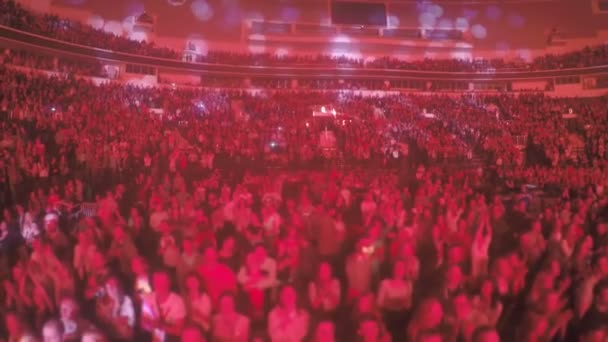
{"points": [[21, 38]]}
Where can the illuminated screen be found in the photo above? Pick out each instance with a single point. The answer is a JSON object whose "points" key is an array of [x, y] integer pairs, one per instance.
{"points": [[358, 13]]}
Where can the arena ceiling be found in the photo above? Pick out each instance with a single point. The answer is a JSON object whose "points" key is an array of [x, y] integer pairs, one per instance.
{"points": [[500, 25]]}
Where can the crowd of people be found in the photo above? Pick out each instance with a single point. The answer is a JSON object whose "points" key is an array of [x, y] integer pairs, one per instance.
{"points": [[28, 60], [14, 15], [160, 214]]}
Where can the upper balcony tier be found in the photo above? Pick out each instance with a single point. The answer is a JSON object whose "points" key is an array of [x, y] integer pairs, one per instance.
{"points": [[17, 38]]}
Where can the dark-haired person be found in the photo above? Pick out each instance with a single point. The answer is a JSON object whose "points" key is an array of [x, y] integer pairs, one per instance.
{"points": [[395, 300], [287, 322], [116, 310], [487, 303], [228, 325], [324, 291], [189, 261], [257, 276], [217, 277], [463, 319], [325, 332], [370, 330], [122, 249], [163, 312], [73, 322], [429, 315], [198, 303]]}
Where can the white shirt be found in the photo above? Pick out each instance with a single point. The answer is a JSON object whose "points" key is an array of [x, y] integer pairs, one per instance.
{"points": [[172, 310], [125, 309], [269, 267], [29, 228], [202, 307], [287, 327]]}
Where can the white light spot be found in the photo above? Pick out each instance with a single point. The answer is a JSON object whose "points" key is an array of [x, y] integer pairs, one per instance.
{"points": [[516, 21], [257, 48], [461, 24], [525, 54], [393, 21], [138, 36], [461, 55], [96, 22], [281, 52], [257, 36], [479, 31], [493, 12], [201, 10], [113, 27], [176, 2], [341, 39], [427, 20], [344, 53]]}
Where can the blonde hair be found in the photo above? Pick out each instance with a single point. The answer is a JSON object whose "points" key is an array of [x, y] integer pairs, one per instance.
{"points": [[93, 336]]}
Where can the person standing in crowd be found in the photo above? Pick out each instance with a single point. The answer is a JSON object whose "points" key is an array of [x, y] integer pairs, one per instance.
{"points": [[198, 303], [395, 300], [217, 277], [116, 311], [163, 312], [52, 331], [324, 293], [287, 322], [228, 325]]}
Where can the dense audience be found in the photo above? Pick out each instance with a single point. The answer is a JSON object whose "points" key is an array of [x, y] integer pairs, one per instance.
{"points": [[14, 15], [28, 60], [160, 214]]}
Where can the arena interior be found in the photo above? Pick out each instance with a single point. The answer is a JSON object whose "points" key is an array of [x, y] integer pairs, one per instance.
{"points": [[304, 170]]}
